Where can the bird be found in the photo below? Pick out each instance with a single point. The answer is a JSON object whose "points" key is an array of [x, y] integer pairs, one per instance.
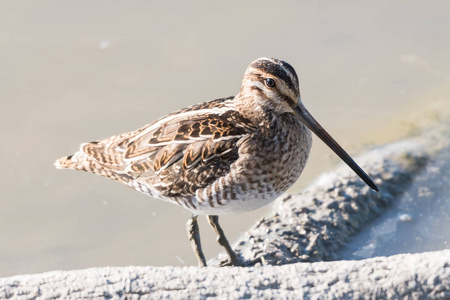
{"points": [[224, 156]]}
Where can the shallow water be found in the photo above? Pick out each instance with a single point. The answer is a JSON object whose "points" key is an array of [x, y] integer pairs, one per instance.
{"points": [[417, 222], [76, 72]]}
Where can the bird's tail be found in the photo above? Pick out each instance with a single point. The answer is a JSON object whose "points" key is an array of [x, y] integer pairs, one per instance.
{"points": [[82, 162], [64, 162], [77, 161]]}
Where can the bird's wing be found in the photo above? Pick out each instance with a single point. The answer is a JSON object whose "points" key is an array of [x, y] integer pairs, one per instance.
{"points": [[177, 154]]}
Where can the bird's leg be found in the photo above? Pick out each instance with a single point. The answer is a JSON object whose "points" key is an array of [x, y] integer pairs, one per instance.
{"points": [[214, 222], [194, 238]]}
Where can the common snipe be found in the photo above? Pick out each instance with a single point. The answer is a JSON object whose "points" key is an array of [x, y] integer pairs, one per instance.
{"points": [[225, 156]]}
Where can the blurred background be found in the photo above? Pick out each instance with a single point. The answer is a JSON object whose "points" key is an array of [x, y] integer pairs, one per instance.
{"points": [[72, 72]]}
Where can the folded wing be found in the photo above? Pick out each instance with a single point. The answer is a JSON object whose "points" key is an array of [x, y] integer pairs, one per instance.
{"points": [[178, 154]]}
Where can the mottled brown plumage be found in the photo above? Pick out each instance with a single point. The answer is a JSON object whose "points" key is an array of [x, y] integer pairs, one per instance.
{"points": [[224, 156]]}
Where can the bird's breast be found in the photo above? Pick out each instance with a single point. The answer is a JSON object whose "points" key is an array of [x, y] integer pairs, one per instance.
{"points": [[267, 166], [277, 161]]}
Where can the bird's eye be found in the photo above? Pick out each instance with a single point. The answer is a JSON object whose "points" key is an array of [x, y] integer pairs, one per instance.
{"points": [[269, 82]]}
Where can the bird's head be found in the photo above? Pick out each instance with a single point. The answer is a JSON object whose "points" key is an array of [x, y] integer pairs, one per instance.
{"points": [[271, 86]]}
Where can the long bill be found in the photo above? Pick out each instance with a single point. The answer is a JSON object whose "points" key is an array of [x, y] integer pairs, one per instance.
{"points": [[302, 113]]}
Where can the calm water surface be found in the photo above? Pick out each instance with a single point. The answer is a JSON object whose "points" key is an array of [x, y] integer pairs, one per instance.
{"points": [[81, 71]]}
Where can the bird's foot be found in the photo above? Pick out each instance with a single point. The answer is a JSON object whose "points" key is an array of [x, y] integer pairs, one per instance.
{"points": [[227, 262], [239, 262]]}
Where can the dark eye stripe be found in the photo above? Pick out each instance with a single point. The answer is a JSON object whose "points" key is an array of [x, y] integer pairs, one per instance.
{"points": [[287, 99], [256, 88], [274, 69]]}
